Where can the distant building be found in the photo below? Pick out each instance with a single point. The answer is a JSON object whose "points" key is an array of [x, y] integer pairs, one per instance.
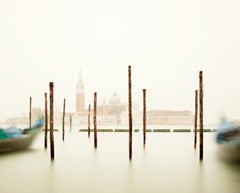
{"points": [[80, 94], [168, 117], [114, 112]]}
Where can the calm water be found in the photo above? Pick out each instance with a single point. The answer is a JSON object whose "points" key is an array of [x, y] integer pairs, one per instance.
{"points": [[168, 164]]}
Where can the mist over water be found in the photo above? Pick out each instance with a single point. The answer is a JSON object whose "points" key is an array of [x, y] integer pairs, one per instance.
{"points": [[167, 43], [169, 163]]}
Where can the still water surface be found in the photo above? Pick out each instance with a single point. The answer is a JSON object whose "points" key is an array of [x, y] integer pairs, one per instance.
{"points": [[168, 164]]}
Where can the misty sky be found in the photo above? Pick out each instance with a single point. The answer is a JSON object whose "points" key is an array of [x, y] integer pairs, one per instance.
{"points": [[167, 43]]}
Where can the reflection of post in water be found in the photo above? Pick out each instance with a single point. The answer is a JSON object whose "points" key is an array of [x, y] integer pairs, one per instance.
{"points": [[144, 117], [89, 108], [51, 121], [46, 121], [201, 115], [195, 118], [95, 120], [130, 111], [30, 112], [63, 120], [70, 123]]}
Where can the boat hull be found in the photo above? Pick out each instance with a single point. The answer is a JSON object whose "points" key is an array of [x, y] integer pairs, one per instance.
{"points": [[229, 152], [16, 144]]}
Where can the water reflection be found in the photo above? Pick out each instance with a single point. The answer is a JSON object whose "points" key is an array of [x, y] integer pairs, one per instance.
{"points": [[199, 182], [168, 163]]}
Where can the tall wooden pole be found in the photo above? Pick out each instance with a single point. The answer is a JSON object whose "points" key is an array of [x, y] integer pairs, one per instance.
{"points": [[63, 120], [144, 117], [95, 120], [46, 121], [130, 111], [51, 121], [195, 119], [89, 108], [201, 115], [30, 112]]}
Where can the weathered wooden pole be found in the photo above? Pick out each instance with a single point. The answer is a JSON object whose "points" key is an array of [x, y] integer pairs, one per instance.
{"points": [[144, 117], [95, 120], [130, 111], [195, 119], [30, 112], [89, 108], [63, 120], [201, 115], [51, 121], [46, 121]]}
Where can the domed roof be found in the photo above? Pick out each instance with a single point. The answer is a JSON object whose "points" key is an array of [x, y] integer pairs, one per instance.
{"points": [[114, 100]]}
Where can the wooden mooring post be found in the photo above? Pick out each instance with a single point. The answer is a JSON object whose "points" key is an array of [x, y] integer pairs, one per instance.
{"points": [[195, 119], [130, 111], [30, 112], [89, 108], [63, 120], [46, 121], [51, 120], [95, 120], [144, 118], [201, 115]]}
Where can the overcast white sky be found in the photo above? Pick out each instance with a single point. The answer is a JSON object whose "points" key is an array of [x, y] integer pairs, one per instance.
{"points": [[167, 43]]}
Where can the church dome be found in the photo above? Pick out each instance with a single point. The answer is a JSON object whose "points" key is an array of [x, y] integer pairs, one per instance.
{"points": [[114, 100]]}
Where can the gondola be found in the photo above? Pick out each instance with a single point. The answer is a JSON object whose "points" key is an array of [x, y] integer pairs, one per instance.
{"points": [[14, 139], [228, 140]]}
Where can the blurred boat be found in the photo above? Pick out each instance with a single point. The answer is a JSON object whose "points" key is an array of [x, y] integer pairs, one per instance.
{"points": [[228, 140], [14, 139]]}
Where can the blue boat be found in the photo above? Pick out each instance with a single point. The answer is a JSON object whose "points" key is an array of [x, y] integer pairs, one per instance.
{"points": [[228, 140], [14, 139]]}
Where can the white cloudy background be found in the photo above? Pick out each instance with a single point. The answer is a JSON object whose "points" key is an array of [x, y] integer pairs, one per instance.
{"points": [[167, 43]]}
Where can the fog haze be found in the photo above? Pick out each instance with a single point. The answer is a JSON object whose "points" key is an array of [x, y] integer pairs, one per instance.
{"points": [[167, 43]]}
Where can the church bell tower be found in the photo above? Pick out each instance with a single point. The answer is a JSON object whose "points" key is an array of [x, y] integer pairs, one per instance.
{"points": [[80, 95]]}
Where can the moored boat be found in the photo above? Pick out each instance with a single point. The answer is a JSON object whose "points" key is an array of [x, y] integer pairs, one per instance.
{"points": [[228, 140], [14, 139]]}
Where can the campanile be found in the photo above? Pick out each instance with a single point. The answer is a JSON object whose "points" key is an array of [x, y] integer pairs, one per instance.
{"points": [[80, 94]]}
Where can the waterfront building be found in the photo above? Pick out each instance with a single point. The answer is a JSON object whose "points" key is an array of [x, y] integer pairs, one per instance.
{"points": [[114, 112]]}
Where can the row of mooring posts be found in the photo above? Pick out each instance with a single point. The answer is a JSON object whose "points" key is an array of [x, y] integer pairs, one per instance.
{"points": [[200, 99], [144, 116], [129, 114], [45, 118], [51, 105], [51, 119]]}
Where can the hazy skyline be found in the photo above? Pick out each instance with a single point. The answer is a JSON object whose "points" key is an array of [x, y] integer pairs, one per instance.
{"points": [[167, 43]]}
